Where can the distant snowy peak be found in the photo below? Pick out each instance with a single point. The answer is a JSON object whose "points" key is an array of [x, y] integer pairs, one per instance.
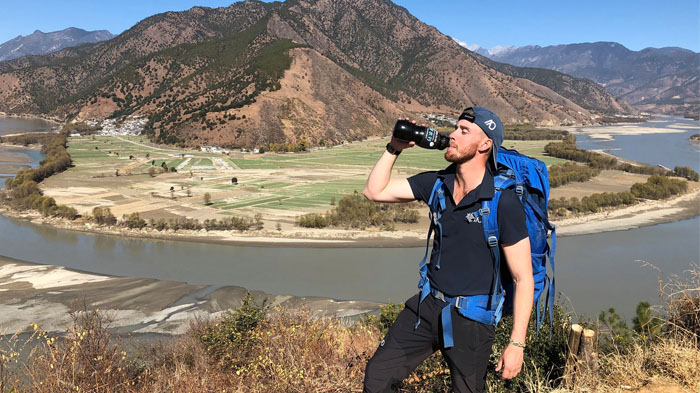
{"points": [[500, 50], [472, 47], [39, 43]]}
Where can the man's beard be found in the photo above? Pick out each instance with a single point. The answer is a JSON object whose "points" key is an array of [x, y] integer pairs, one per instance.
{"points": [[458, 156]]}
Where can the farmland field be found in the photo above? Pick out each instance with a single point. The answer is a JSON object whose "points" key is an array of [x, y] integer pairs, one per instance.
{"points": [[126, 174]]}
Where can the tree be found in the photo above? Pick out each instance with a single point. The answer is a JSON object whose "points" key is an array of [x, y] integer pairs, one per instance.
{"points": [[207, 198], [152, 171]]}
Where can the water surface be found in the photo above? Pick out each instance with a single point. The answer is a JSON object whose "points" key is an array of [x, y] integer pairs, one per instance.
{"points": [[595, 271], [12, 125], [670, 149]]}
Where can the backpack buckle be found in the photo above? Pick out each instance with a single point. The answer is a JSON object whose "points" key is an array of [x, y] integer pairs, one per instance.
{"points": [[493, 241], [484, 210], [519, 190], [433, 218]]}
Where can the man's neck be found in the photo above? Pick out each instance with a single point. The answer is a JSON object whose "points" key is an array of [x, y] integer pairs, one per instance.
{"points": [[468, 175]]}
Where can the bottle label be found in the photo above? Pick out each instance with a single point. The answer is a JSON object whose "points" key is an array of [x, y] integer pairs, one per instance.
{"points": [[431, 136]]}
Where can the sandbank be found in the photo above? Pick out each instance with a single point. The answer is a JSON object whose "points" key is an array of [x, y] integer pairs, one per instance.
{"points": [[642, 214], [44, 294], [609, 132]]}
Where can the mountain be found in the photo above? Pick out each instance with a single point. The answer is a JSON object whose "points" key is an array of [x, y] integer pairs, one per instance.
{"points": [[665, 80], [39, 43], [258, 73]]}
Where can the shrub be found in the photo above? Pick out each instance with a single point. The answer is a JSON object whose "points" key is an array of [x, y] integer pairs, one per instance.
{"points": [[86, 359], [684, 171], [659, 187], [133, 221], [231, 339], [67, 212], [387, 315], [160, 224], [568, 172], [103, 216], [409, 216], [313, 220]]}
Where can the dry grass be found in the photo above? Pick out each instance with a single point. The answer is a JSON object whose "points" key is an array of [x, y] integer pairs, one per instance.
{"points": [[673, 355], [287, 351]]}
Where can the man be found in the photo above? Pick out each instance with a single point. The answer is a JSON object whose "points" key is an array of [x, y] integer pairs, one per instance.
{"points": [[461, 266]]}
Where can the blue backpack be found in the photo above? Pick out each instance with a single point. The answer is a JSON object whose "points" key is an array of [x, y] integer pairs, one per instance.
{"points": [[529, 179]]}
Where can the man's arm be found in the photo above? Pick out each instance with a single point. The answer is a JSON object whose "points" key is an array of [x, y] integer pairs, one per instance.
{"points": [[380, 186], [520, 266]]}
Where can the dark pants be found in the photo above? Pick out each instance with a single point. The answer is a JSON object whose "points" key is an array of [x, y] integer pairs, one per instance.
{"points": [[404, 348]]}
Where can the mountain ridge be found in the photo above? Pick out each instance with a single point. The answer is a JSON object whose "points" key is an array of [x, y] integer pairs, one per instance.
{"points": [[664, 80], [170, 67], [39, 43]]}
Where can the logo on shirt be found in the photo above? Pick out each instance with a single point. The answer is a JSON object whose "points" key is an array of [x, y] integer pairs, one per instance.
{"points": [[473, 217]]}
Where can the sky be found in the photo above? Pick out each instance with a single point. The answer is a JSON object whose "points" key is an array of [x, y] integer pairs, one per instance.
{"points": [[636, 24]]}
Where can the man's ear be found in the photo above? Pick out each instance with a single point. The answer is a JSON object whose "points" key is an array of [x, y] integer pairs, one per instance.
{"points": [[485, 146]]}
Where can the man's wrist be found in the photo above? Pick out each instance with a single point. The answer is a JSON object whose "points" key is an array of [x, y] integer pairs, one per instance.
{"points": [[518, 344], [392, 150]]}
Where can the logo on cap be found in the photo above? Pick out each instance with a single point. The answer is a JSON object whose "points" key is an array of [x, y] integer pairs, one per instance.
{"points": [[490, 124]]}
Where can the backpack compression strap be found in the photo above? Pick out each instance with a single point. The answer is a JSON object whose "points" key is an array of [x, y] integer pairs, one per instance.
{"points": [[551, 291]]}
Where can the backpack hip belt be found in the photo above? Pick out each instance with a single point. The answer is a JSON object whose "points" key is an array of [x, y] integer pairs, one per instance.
{"points": [[475, 307]]}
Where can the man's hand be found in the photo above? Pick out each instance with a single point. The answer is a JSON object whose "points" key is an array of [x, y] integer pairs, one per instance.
{"points": [[511, 362], [399, 144]]}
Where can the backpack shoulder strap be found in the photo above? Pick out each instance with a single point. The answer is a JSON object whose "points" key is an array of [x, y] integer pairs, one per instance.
{"points": [[436, 202], [437, 197], [489, 213]]}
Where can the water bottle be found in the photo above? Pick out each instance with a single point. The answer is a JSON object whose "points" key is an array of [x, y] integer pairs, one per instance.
{"points": [[424, 137]]}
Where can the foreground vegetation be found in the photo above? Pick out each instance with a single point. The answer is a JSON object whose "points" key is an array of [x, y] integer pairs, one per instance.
{"points": [[256, 348]]}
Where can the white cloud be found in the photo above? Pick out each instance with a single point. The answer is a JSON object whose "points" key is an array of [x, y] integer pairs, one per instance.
{"points": [[471, 47]]}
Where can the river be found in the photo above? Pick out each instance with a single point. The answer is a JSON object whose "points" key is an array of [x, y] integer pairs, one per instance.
{"points": [[15, 125], [12, 125], [669, 149], [594, 271]]}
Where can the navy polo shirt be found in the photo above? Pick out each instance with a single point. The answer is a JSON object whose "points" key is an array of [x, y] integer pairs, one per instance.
{"points": [[466, 265]]}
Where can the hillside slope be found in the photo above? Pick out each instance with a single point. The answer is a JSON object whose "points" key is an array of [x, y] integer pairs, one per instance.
{"points": [[196, 73]]}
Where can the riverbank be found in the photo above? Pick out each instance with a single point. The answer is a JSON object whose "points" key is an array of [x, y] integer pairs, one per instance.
{"points": [[30, 116], [642, 214], [609, 132], [44, 294]]}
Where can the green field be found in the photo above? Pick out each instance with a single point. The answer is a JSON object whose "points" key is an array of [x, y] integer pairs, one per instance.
{"points": [[295, 182]]}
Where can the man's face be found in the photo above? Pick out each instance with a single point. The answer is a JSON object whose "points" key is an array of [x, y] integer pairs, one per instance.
{"points": [[465, 141]]}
